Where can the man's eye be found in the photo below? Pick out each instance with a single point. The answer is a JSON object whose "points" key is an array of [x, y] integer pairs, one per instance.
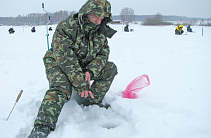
{"points": [[96, 16]]}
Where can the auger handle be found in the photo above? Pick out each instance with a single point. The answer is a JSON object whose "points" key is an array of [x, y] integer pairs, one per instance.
{"points": [[19, 95]]}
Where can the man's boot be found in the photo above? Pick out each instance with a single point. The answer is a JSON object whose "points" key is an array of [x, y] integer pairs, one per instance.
{"points": [[40, 131]]}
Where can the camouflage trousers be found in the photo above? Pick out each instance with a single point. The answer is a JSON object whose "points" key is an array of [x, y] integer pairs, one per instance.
{"points": [[60, 91]]}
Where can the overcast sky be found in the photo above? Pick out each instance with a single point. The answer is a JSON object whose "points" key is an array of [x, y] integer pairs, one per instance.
{"points": [[189, 8]]}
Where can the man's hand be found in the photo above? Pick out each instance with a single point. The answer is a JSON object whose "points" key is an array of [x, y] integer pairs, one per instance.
{"points": [[86, 93], [87, 78]]}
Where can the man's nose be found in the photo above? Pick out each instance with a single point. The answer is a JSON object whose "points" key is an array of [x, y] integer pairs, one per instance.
{"points": [[98, 21]]}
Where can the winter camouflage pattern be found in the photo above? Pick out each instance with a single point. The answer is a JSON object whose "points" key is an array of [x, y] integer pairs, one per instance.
{"points": [[78, 46]]}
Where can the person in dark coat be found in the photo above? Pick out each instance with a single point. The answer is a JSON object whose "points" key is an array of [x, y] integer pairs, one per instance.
{"points": [[126, 29], [11, 31], [33, 30], [189, 29], [50, 29]]}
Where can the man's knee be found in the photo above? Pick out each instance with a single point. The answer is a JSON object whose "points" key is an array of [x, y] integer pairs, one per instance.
{"points": [[110, 70], [61, 92]]}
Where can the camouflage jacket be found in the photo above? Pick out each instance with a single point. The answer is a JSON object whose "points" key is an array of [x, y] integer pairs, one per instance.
{"points": [[79, 45]]}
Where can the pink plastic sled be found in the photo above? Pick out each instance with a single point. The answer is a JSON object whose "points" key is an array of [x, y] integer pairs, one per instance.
{"points": [[135, 86]]}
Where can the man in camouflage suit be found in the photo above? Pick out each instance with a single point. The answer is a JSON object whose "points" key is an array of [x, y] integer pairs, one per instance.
{"points": [[79, 53]]}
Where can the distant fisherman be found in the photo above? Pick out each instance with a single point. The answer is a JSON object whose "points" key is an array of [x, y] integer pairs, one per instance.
{"points": [[189, 29], [126, 28], [178, 30], [11, 31], [50, 29], [33, 30]]}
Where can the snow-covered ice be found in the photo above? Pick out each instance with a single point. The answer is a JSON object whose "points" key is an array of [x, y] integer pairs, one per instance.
{"points": [[177, 103]]}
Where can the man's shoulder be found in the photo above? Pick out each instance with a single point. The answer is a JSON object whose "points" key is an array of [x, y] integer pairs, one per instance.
{"points": [[68, 26], [70, 22]]}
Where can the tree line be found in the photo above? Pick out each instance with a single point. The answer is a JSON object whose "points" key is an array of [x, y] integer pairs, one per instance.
{"points": [[126, 16], [36, 18]]}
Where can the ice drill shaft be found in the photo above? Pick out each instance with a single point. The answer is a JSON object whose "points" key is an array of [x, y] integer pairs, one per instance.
{"points": [[19, 95]]}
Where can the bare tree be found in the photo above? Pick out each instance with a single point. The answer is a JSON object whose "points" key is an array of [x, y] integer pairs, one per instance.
{"points": [[156, 20], [127, 15]]}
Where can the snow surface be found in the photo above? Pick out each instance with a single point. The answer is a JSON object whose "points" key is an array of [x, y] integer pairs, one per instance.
{"points": [[175, 105]]}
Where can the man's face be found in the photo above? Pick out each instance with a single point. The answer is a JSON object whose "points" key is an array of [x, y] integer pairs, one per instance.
{"points": [[95, 19]]}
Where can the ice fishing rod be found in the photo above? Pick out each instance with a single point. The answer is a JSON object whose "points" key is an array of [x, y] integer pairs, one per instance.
{"points": [[49, 20], [19, 95]]}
